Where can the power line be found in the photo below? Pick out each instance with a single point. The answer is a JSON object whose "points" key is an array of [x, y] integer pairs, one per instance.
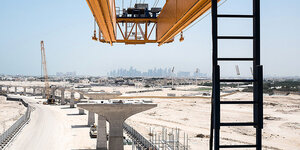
{"points": [[201, 18], [130, 3], [155, 3]]}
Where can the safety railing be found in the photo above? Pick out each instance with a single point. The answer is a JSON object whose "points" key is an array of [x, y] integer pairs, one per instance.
{"points": [[138, 138], [10, 133]]}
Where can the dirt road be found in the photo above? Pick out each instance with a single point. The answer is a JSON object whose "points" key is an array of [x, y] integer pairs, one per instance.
{"points": [[46, 130]]}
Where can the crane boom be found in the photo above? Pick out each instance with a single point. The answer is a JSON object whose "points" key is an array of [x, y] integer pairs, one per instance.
{"points": [[44, 64]]}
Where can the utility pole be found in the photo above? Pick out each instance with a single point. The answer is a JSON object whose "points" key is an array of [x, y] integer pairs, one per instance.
{"points": [[197, 71], [173, 78]]}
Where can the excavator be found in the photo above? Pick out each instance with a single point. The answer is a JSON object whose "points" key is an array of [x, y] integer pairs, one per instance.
{"points": [[49, 97]]}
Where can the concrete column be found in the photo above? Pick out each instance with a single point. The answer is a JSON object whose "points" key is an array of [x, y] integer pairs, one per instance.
{"points": [[116, 135], [53, 93], [91, 118], [116, 114], [16, 90], [33, 91], [102, 135], [81, 96], [43, 92], [81, 111], [1, 88], [62, 95], [7, 89], [72, 102], [24, 91]]}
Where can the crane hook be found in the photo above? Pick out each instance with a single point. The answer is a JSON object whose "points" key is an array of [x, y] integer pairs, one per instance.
{"points": [[95, 36], [181, 37]]}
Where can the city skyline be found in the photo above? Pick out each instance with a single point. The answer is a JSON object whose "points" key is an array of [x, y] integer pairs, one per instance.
{"points": [[153, 72]]}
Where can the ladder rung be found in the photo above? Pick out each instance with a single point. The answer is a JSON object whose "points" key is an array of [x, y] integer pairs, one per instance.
{"points": [[237, 102], [237, 146], [236, 80], [236, 59], [235, 37], [235, 16], [238, 124]]}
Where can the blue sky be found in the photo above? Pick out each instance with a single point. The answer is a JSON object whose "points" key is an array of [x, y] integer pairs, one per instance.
{"points": [[66, 26]]}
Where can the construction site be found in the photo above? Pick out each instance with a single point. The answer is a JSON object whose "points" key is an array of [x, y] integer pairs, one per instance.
{"points": [[147, 111]]}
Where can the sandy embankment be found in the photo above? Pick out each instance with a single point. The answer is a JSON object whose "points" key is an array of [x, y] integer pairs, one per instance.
{"points": [[10, 112], [281, 124]]}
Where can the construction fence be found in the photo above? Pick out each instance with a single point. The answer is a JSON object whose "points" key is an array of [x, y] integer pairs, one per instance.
{"points": [[8, 135]]}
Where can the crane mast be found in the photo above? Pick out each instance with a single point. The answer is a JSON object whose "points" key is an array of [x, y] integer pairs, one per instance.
{"points": [[44, 65]]}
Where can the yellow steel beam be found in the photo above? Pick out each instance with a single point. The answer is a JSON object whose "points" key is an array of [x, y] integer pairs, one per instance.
{"points": [[105, 16], [177, 15], [136, 20], [131, 41]]}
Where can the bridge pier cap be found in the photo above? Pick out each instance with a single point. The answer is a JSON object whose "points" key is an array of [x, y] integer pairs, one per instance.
{"points": [[116, 114]]}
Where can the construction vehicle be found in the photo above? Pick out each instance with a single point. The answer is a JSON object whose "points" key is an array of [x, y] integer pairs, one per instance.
{"points": [[50, 99], [93, 131]]}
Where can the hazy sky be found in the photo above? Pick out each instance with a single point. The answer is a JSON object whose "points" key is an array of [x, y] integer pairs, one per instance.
{"points": [[66, 26]]}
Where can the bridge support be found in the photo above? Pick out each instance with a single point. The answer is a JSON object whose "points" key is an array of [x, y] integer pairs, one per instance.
{"points": [[91, 118], [33, 91], [24, 91], [115, 114], [62, 96], [101, 134], [81, 111], [72, 102]]}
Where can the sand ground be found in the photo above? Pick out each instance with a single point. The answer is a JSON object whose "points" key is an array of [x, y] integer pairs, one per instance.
{"points": [[10, 112], [192, 116], [281, 120]]}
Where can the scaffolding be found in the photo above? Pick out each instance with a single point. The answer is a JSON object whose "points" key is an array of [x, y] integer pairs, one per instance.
{"points": [[169, 139]]}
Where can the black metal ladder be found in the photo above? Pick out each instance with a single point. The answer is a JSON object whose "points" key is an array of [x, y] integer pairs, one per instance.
{"points": [[257, 80]]}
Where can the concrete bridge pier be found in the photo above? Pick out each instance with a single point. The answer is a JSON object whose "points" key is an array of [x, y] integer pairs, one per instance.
{"points": [[101, 134], [91, 118], [116, 134], [115, 114], [33, 91], [43, 92], [81, 111], [81, 96], [72, 102], [24, 91], [62, 95], [52, 93], [7, 89], [16, 90]]}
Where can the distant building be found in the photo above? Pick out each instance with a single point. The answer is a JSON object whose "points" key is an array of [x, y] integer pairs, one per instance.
{"points": [[183, 74], [67, 74], [156, 72]]}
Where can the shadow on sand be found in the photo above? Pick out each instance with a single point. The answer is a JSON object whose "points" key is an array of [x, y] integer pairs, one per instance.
{"points": [[79, 126], [84, 149], [67, 108]]}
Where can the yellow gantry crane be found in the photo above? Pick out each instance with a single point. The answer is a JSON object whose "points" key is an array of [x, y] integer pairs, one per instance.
{"points": [[140, 25], [155, 25]]}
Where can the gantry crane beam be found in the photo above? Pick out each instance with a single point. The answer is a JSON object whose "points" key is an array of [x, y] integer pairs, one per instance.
{"points": [[105, 16], [177, 15]]}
